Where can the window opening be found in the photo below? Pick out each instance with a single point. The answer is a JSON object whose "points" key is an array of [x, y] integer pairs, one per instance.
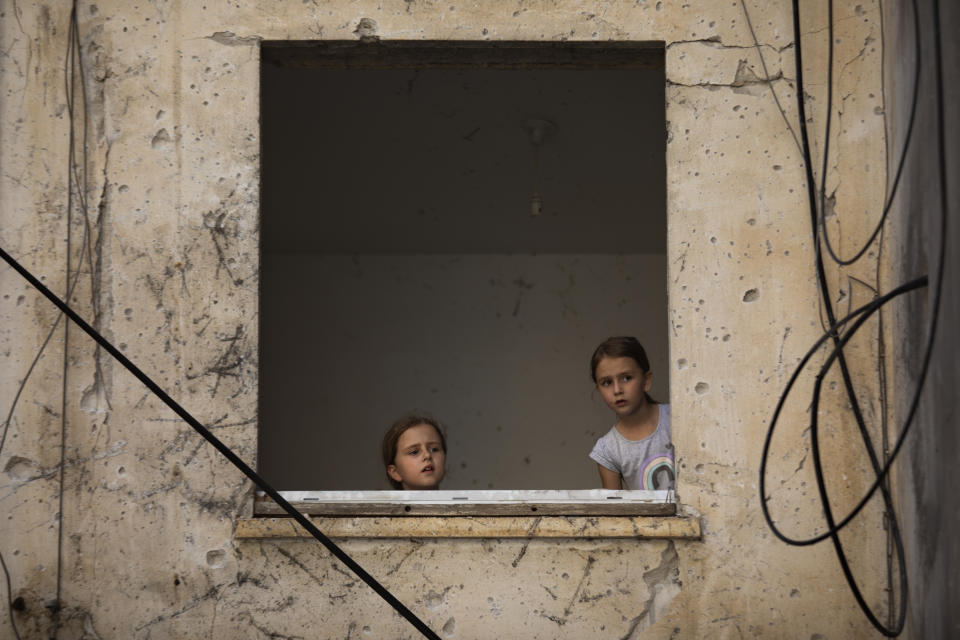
{"points": [[403, 267]]}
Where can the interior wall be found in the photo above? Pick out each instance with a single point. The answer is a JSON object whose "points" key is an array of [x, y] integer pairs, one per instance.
{"points": [[496, 347], [402, 269]]}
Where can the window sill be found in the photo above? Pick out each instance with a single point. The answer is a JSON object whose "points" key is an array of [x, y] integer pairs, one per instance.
{"points": [[675, 527], [476, 514]]}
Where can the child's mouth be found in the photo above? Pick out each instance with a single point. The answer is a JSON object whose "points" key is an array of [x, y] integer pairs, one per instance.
{"points": [[428, 469]]}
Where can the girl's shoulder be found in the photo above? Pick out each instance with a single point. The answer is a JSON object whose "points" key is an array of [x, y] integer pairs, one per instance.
{"points": [[663, 420]]}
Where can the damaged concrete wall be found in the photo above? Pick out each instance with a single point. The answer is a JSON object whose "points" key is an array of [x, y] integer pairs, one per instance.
{"points": [[164, 255]]}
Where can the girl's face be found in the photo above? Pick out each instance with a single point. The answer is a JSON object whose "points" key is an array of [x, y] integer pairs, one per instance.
{"points": [[420, 460], [623, 385]]}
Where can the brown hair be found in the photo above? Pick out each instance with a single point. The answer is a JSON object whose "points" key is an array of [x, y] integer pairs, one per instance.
{"points": [[389, 447], [621, 347]]}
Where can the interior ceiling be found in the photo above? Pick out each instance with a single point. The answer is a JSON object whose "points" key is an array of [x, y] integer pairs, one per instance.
{"points": [[439, 160]]}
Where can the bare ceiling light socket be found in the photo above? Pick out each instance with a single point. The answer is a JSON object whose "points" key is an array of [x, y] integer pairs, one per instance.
{"points": [[539, 130], [536, 205]]}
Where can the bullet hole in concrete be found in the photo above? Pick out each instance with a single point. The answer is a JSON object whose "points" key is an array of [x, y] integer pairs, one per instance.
{"points": [[367, 631], [682, 363], [726, 337], [176, 581], [216, 558], [20, 300], [777, 167], [713, 240], [433, 600], [449, 627], [121, 471], [752, 221], [19, 604], [701, 388], [161, 137], [751, 295], [699, 468]]}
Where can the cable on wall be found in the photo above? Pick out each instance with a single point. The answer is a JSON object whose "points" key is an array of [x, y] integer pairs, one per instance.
{"points": [[73, 67], [224, 450], [839, 334], [76, 189]]}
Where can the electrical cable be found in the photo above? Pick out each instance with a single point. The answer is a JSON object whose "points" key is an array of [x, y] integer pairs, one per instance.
{"points": [[837, 355], [74, 61], [13, 622], [888, 202], [225, 451], [74, 183], [766, 74]]}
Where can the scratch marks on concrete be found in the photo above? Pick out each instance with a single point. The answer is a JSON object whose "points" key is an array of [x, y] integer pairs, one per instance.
{"points": [[230, 39]]}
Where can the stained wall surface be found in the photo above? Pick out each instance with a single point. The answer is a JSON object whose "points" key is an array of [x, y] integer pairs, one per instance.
{"points": [[488, 344], [926, 470], [160, 251]]}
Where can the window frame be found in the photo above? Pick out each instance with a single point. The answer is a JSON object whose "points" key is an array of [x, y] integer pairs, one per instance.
{"points": [[529, 507]]}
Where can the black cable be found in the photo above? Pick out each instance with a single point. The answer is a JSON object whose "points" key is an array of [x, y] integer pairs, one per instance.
{"points": [[838, 348], [6, 575], [837, 354], [832, 332], [225, 451], [73, 179], [766, 74], [70, 88], [888, 202]]}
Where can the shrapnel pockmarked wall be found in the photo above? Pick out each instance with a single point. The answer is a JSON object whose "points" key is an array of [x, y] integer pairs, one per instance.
{"points": [[165, 260]]}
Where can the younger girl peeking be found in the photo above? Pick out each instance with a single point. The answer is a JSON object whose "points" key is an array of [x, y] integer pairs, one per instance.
{"points": [[414, 453], [636, 453]]}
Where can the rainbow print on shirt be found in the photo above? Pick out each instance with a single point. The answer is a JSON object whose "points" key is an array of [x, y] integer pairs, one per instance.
{"points": [[657, 472]]}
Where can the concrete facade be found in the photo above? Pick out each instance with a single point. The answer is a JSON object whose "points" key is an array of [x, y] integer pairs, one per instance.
{"points": [[165, 260]]}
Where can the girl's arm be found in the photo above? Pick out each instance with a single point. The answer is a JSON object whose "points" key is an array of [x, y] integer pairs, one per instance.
{"points": [[609, 479]]}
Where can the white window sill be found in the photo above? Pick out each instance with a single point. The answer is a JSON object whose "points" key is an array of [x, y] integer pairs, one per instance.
{"points": [[593, 513], [507, 502]]}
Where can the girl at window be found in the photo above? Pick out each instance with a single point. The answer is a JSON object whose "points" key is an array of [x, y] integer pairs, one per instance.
{"points": [[636, 453], [414, 453]]}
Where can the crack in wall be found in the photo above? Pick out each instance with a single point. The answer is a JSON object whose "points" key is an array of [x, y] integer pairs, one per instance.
{"points": [[663, 584]]}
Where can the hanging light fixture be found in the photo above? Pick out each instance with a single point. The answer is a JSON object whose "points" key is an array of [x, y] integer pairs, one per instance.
{"points": [[539, 130]]}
